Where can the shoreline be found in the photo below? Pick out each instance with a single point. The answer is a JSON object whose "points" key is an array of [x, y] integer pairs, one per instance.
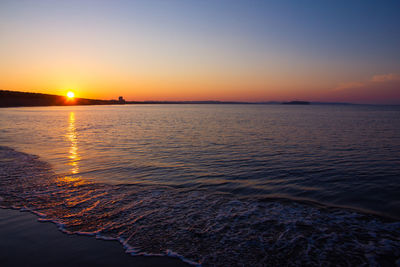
{"points": [[25, 241]]}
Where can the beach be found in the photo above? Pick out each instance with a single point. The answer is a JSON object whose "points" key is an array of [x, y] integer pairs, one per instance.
{"points": [[24, 241]]}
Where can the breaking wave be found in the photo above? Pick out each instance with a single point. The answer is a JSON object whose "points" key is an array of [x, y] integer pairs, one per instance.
{"points": [[198, 226]]}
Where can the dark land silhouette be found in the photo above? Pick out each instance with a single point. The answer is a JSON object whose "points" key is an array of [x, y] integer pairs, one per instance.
{"points": [[25, 99]]}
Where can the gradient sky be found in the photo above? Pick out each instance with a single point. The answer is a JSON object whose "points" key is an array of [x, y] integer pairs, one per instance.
{"points": [[347, 51]]}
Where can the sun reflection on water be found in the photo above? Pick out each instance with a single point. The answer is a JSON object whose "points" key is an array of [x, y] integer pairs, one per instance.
{"points": [[72, 178], [73, 149]]}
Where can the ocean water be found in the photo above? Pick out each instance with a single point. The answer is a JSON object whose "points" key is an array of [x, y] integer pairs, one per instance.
{"points": [[213, 184]]}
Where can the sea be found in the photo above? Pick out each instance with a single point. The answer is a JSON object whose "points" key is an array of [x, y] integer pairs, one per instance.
{"points": [[214, 185]]}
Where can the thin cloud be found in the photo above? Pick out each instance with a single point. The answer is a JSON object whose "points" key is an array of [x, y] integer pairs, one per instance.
{"points": [[381, 78], [348, 85], [379, 89], [385, 77]]}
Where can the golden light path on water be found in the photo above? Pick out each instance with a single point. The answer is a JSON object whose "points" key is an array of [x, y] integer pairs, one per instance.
{"points": [[72, 177], [73, 154]]}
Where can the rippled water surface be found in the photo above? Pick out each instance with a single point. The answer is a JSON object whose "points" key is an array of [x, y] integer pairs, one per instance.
{"points": [[213, 184]]}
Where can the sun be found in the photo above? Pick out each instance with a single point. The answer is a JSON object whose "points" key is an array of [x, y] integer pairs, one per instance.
{"points": [[70, 94]]}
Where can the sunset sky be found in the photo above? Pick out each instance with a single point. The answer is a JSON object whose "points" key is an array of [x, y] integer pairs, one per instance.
{"points": [[345, 51]]}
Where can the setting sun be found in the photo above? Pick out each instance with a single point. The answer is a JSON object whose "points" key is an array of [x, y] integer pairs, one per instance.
{"points": [[70, 94]]}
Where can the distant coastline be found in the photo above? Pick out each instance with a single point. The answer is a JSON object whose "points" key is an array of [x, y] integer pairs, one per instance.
{"points": [[25, 99]]}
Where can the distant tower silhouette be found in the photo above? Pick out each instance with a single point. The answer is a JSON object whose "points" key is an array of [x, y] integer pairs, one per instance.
{"points": [[121, 99]]}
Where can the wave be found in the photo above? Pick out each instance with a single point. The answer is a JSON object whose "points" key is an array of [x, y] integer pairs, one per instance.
{"points": [[198, 226]]}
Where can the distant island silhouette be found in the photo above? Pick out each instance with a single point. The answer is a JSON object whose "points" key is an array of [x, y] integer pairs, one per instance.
{"points": [[25, 99], [297, 103]]}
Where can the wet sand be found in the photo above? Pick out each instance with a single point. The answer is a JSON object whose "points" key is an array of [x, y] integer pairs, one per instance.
{"points": [[24, 241]]}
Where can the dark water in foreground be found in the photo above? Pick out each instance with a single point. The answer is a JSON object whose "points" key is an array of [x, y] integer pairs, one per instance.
{"points": [[214, 184]]}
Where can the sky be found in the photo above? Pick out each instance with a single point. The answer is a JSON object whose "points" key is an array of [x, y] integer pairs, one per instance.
{"points": [[332, 51]]}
